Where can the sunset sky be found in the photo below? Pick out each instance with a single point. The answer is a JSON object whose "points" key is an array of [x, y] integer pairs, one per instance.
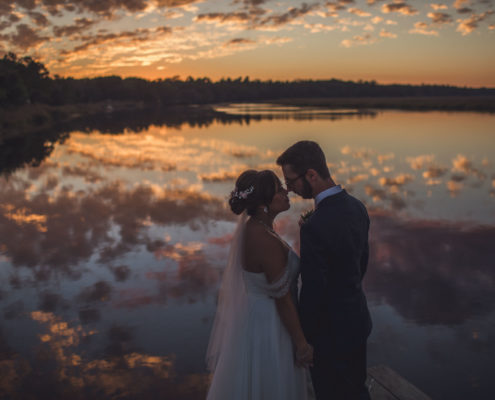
{"points": [[390, 41]]}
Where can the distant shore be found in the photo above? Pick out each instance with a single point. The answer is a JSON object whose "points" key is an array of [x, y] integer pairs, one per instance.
{"points": [[32, 117], [433, 103]]}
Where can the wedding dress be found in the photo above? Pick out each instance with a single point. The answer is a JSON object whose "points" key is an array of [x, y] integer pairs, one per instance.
{"points": [[250, 351]]}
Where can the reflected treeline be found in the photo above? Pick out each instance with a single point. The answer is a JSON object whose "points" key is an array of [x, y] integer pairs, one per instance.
{"points": [[32, 148]]}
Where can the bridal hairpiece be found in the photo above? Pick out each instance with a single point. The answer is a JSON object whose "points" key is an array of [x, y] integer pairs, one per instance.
{"points": [[243, 194]]}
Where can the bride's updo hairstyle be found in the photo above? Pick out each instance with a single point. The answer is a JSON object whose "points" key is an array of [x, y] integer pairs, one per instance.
{"points": [[253, 189]]}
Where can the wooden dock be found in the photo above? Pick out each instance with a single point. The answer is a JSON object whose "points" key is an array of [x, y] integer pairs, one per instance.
{"points": [[386, 384]]}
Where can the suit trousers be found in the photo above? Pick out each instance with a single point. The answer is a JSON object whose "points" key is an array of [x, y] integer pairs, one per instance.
{"points": [[340, 377]]}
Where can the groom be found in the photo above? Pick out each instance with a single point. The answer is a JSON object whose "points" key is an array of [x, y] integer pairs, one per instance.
{"points": [[334, 256]]}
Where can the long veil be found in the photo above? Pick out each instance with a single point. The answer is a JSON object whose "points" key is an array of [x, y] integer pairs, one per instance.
{"points": [[232, 303]]}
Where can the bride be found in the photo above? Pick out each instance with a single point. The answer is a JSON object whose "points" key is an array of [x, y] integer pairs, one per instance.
{"points": [[257, 349]]}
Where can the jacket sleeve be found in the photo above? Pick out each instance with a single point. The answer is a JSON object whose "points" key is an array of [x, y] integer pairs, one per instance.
{"points": [[314, 281], [366, 251]]}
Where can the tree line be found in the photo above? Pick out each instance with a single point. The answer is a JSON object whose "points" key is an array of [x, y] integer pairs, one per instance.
{"points": [[24, 80]]}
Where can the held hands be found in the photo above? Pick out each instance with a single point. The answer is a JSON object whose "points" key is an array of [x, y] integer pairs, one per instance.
{"points": [[304, 355]]}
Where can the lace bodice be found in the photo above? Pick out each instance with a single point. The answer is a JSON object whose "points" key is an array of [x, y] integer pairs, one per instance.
{"points": [[256, 283]]}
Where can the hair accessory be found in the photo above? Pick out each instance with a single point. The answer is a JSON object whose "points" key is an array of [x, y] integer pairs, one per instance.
{"points": [[243, 194]]}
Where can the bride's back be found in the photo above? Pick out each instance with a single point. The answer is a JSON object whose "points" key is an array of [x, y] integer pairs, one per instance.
{"points": [[263, 250]]}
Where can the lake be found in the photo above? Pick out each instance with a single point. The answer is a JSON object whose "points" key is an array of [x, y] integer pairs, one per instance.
{"points": [[113, 242]]}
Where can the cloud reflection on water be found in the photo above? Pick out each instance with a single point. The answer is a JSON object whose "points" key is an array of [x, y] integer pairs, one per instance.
{"points": [[61, 370], [116, 227]]}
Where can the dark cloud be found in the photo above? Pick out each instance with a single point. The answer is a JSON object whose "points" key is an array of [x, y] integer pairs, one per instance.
{"points": [[237, 42], [399, 7], [50, 302], [239, 16], [38, 18], [26, 37], [464, 10], [13, 18], [80, 25], [254, 16], [82, 171], [289, 16], [440, 18], [138, 35], [121, 272], [100, 291], [26, 4], [89, 315]]}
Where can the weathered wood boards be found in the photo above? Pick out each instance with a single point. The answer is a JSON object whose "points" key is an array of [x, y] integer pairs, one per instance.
{"points": [[386, 384]]}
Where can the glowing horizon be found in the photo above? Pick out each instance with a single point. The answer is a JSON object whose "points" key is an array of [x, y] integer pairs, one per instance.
{"points": [[392, 41]]}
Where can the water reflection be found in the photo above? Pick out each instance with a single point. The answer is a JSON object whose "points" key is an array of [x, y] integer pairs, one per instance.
{"points": [[59, 370], [431, 272], [112, 247]]}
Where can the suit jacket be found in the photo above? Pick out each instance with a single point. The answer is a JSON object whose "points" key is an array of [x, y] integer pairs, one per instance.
{"points": [[334, 257]]}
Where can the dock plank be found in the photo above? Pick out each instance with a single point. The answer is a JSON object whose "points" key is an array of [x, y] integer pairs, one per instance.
{"points": [[386, 384]]}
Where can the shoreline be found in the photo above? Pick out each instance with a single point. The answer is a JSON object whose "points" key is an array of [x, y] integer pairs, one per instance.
{"points": [[30, 118]]}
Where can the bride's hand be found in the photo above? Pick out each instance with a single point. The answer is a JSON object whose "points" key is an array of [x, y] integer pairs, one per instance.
{"points": [[304, 355]]}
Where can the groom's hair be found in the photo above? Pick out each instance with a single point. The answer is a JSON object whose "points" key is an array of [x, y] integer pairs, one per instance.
{"points": [[304, 155]]}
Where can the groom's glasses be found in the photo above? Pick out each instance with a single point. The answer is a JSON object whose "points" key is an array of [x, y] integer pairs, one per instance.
{"points": [[290, 181]]}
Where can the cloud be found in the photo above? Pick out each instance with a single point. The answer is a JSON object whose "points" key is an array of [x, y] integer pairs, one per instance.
{"points": [[399, 7], [38, 18], [224, 17], [122, 38], [359, 12], [462, 164], [239, 42], [398, 180], [440, 18], [468, 25], [460, 3], [26, 38], [422, 28], [362, 153], [387, 34], [80, 24], [292, 14], [439, 6], [421, 161], [464, 10], [434, 171]]}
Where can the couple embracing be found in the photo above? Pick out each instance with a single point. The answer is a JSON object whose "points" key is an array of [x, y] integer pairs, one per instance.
{"points": [[266, 340]]}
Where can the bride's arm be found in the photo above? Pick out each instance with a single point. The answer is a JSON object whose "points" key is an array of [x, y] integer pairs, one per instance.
{"points": [[273, 259]]}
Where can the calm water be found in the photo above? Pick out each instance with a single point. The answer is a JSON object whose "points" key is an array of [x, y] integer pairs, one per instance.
{"points": [[111, 249]]}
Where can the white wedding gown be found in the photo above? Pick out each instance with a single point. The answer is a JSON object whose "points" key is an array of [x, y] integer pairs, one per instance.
{"points": [[258, 364]]}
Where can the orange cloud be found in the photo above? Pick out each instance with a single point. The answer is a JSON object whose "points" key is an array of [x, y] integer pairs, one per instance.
{"points": [[468, 25]]}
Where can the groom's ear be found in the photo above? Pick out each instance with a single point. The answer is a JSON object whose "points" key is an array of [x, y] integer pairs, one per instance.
{"points": [[311, 175]]}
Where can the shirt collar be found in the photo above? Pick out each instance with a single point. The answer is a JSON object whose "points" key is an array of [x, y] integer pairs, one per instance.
{"points": [[327, 193]]}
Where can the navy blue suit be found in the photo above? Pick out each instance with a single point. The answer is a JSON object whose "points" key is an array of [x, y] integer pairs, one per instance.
{"points": [[332, 306]]}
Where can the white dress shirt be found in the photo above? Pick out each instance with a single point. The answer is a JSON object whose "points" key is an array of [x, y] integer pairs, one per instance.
{"points": [[327, 193]]}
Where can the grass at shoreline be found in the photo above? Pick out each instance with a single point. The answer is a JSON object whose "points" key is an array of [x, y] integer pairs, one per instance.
{"points": [[28, 118]]}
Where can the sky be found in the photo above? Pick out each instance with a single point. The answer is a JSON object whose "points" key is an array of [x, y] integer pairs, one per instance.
{"points": [[390, 41]]}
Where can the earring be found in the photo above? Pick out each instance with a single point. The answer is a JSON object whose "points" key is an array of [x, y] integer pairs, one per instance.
{"points": [[265, 210]]}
